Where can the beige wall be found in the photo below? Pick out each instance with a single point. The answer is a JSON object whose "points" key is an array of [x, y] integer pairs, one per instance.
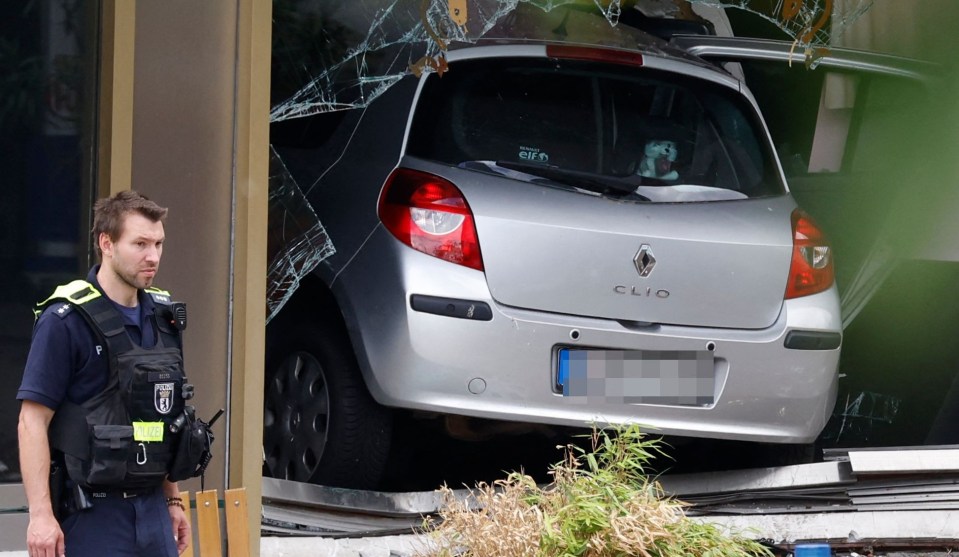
{"points": [[200, 99], [183, 159]]}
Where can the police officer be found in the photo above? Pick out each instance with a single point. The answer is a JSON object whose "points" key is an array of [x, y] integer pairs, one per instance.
{"points": [[69, 365]]}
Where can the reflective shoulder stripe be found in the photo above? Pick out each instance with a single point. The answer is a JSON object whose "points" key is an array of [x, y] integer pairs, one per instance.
{"points": [[77, 292], [155, 290]]}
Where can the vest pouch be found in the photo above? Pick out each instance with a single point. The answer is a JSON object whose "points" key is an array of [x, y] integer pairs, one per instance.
{"points": [[148, 464], [111, 449]]}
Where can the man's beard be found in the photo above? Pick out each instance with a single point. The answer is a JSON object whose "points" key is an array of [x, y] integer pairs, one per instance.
{"points": [[131, 279]]}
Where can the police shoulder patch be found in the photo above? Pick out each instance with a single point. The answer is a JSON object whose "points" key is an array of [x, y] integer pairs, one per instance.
{"points": [[61, 309], [159, 296]]}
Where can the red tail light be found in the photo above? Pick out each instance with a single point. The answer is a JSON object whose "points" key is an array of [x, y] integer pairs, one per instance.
{"points": [[430, 215], [811, 270]]}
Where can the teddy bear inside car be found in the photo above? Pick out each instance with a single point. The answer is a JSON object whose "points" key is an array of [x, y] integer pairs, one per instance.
{"points": [[658, 158]]}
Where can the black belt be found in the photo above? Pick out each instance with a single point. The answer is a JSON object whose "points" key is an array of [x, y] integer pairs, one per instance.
{"points": [[121, 493], [77, 499]]}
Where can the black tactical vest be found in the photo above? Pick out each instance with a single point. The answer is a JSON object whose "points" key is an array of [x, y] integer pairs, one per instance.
{"points": [[121, 438]]}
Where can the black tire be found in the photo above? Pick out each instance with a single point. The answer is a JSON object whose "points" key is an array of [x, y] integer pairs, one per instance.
{"points": [[320, 423]]}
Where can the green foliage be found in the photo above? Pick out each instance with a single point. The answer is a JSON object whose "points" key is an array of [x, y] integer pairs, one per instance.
{"points": [[601, 504]]}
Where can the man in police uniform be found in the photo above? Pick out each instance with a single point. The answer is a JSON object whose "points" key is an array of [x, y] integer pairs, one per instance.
{"points": [[68, 364]]}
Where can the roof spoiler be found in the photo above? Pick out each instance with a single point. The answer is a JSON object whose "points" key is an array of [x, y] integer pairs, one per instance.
{"points": [[665, 28]]}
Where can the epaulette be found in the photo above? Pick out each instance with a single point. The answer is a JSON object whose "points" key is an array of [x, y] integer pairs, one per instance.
{"points": [[61, 310], [159, 296], [78, 292]]}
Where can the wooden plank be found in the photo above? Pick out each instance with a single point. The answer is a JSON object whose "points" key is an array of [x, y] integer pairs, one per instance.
{"points": [[237, 525], [208, 524], [188, 552]]}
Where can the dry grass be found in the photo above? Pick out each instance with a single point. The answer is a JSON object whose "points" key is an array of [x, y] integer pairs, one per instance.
{"points": [[600, 504]]}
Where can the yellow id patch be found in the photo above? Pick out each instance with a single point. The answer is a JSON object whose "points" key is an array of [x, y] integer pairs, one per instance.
{"points": [[151, 432]]}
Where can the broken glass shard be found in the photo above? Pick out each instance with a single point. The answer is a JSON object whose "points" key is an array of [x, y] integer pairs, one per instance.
{"points": [[297, 242]]}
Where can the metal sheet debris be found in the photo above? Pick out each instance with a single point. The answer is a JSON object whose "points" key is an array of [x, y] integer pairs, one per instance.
{"points": [[905, 461], [876, 529], [903, 508], [756, 479]]}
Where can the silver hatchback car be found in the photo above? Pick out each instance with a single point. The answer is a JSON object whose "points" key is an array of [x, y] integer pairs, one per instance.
{"points": [[551, 234]]}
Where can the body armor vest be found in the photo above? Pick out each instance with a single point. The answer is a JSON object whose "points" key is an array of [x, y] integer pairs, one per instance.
{"points": [[121, 438]]}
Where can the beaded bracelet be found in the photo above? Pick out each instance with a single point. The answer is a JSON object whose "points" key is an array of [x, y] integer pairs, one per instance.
{"points": [[175, 502]]}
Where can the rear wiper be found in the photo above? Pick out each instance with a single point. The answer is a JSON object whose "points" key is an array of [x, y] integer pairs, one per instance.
{"points": [[611, 185]]}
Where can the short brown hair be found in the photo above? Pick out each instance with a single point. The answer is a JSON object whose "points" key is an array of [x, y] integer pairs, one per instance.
{"points": [[110, 212]]}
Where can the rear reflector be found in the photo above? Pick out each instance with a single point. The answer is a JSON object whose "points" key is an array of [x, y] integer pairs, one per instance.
{"points": [[592, 54], [451, 307], [812, 340], [429, 214], [811, 270]]}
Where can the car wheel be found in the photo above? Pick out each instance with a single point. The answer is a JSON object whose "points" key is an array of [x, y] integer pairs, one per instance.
{"points": [[320, 423]]}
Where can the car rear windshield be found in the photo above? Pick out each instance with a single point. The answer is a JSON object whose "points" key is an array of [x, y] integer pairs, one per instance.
{"points": [[628, 131]]}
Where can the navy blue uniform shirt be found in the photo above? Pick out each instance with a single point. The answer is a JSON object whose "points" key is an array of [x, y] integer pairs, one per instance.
{"points": [[68, 360]]}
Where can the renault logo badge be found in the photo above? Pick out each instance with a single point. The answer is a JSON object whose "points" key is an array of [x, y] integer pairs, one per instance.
{"points": [[644, 260]]}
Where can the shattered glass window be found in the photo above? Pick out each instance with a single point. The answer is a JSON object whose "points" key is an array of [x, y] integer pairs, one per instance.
{"points": [[811, 23], [335, 55], [297, 242]]}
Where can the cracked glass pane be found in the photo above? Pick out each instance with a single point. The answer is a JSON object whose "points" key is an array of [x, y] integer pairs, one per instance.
{"points": [[332, 57], [297, 242], [810, 23], [335, 56], [861, 417]]}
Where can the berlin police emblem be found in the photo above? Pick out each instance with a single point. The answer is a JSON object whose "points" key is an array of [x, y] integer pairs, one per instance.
{"points": [[163, 397]]}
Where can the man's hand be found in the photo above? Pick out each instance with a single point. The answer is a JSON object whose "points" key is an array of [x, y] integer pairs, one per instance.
{"points": [[181, 527], [44, 537], [178, 516]]}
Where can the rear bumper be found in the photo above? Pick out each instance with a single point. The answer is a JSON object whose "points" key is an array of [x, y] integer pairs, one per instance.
{"points": [[504, 367]]}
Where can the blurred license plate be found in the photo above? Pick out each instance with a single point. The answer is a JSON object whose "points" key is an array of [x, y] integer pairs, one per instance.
{"points": [[669, 377]]}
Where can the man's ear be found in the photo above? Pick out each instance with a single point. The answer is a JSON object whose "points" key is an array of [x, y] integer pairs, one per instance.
{"points": [[106, 245]]}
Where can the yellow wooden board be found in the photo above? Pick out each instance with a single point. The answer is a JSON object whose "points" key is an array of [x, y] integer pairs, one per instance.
{"points": [[208, 524], [237, 523]]}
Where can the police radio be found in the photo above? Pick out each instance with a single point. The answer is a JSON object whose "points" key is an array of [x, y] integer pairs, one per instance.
{"points": [[179, 315], [194, 450]]}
